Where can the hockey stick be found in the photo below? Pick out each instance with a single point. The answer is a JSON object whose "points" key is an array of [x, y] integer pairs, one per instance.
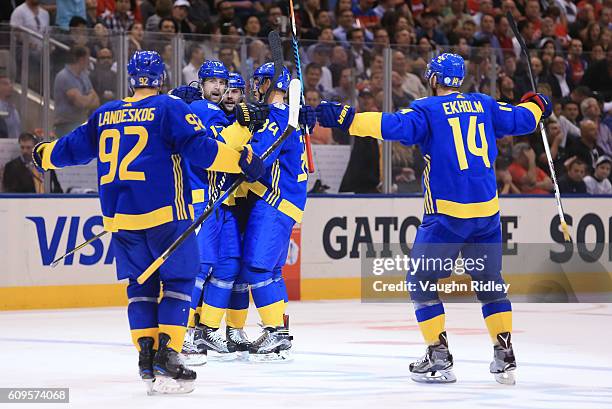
{"points": [[294, 113], [276, 49], [551, 166], [77, 248], [298, 67]]}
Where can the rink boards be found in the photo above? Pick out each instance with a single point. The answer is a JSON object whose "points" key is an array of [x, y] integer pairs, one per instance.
{"points": [[334, 232]]}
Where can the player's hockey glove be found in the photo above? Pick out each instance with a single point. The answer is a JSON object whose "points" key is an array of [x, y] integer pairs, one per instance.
{"points": [[187, 93], [252, 166], [335, 115], [308, 117], [252, 116], [541, 100], [37, 153]]}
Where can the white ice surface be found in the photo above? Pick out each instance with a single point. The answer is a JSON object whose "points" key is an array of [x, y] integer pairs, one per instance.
{"points": [[347, 355]]}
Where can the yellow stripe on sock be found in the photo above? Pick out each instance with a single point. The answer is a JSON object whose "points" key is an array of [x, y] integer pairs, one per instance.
{"points": [[272, 315], [432, 328], [144, 332], [176, 333], [498, 323], [191, 320], [211, 316], [236, 318]]}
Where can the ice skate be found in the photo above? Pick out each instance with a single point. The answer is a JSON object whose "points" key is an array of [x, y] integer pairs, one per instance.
{"points": [[211, 342], [238, 341], [437, 364], [171, 374], [274, 344], [145, 361], [504, 364], [193, 356]]}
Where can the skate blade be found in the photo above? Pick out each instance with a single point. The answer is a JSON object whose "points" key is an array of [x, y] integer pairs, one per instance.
{"points": [[435, 377], [221, 356], [164, 385], [194, 359], [282, 356], [506, 378]]}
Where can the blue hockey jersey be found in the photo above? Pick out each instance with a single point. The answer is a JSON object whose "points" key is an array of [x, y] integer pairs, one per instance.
{"points": [[456, 134], [141, 145]]}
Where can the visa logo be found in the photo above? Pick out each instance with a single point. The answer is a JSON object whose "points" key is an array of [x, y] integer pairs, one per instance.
{"points": [[49, 240]]}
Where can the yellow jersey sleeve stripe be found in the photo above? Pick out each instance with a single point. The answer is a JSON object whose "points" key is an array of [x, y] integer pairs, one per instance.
{"points": [[236, 135], [506, 109], [143, 221], [468, 210], [367, 124], [535, 110], [45, 154], [226, 159]]}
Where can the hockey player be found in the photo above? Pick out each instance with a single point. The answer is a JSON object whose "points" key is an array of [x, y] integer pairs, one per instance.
{"points": [[276, 203], [141, 144], [456, 133]]}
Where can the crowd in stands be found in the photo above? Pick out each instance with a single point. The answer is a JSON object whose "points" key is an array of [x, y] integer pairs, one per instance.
{"points": [[342, 45]]}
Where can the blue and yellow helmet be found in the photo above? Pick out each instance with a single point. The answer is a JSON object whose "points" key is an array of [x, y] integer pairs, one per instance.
{"points": [[448, 68], [236, 81], [146, 69], [267, 71], [213, 69]]}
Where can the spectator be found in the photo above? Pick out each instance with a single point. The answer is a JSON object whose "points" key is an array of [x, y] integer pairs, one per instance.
{"points": [[533, 15], [599, 183], [381, 40], [549, 35], [119, 20], [586, 148], [324, 19], [73, 92], [346, 22], [364, 11], [526, 175], [487, 31], [468, 30], [429, 23], [76, 36], [526, 29], [506, 90], [559, 81], [227, 13], [505, 185], [244, 9], [66, 10], [359, 55], [199, 16], [103, 78], [383, 7], [135, 38], [363, 170], [411, 84], [147, 9], [163, 9], [339, 60], [455, 17], [503, 33], [20, 174], [568, 120], [591, 110], [318, 135], [312, 77], [406, 168], [577, 65], [274, 19], [344, 93], [8, 113], [557, 144], [401, 99], [196, 58], [31, 15], [568, 9], [100, 40], [572, 181], [485, 7], [598, 76], [258, 54], [319, 56], [252, 27], [229, 58], [91, 12], [308, 19], [180, 12]]}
